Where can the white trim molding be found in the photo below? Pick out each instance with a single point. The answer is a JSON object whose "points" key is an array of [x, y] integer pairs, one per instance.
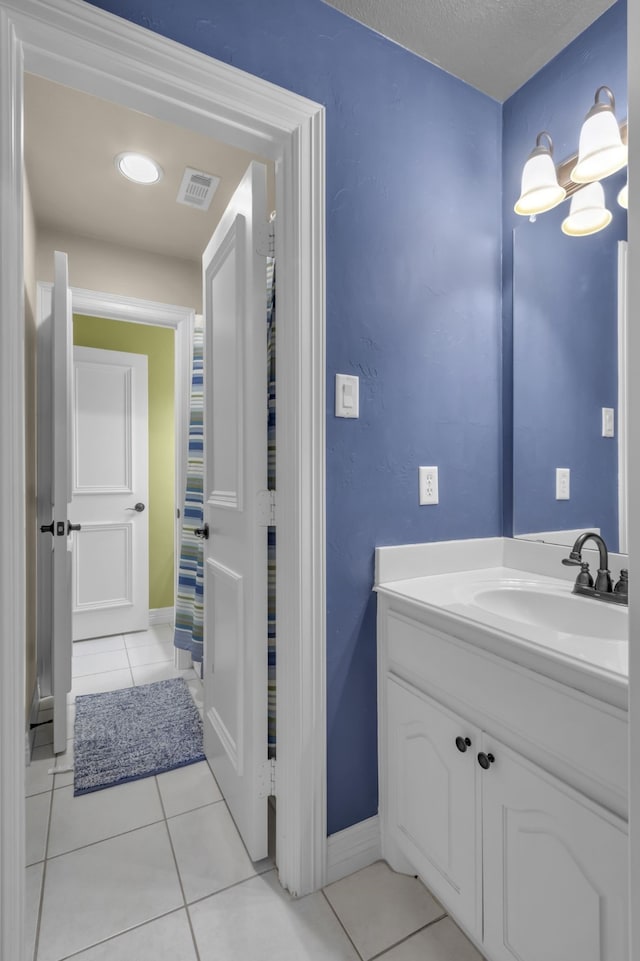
{"points": [[623, 402], [12, 492], [162, 615], [353, 849], [74, 43]]}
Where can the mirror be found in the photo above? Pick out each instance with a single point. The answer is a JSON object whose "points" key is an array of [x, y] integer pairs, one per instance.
{"points": [[566, 347]]}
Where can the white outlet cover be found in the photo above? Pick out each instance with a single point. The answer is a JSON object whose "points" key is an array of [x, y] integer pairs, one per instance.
{"points": [[428, 485]]}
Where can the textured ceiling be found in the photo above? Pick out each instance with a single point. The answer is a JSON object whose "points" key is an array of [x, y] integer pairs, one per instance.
{"points": [[494, 45], [71, 140]]}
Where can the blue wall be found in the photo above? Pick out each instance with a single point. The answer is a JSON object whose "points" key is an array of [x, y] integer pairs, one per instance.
{"points": [[564, 307], [413, 308]]}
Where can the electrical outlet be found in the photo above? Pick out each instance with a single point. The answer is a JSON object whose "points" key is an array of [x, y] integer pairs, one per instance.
{"points": [[428, 484], [563, 483]]}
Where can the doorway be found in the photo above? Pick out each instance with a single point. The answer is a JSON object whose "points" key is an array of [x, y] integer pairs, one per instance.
{"points": [[97, 53]]}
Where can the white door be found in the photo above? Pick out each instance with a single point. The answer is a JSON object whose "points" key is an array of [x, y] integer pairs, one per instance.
{"points": [[555, 868], [62, 544], [110, 493], [235, 588], [431, 797]]}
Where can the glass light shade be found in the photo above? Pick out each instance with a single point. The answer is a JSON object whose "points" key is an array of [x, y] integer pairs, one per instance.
{"points": [[539, 189], [138, 168], [623, 197], [587, 214], [601, 151]]}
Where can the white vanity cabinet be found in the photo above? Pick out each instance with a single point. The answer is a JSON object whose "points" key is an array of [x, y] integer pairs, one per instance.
{"points": [[554, 868], [520, 851], [433, 797]]}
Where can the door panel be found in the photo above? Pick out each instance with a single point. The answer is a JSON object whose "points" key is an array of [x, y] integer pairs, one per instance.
{"points": [[235, 421], [102, 458], [555, 868], [103, 567], [432, 797], [62, 544], [110, 467]]}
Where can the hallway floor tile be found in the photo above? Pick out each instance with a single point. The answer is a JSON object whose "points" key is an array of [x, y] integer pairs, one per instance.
{"points": [[155, 870]]}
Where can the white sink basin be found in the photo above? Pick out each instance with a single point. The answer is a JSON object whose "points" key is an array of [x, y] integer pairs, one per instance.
{"points": [[565, 613]]}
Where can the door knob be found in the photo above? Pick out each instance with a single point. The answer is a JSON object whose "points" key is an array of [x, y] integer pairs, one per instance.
{"points": [[73, 527], [202, 532], [47, 528], [139, 507]]}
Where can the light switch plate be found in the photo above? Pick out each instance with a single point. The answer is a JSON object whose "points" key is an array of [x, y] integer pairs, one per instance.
{"points": [[347, 395], [608, 429], [563, 483]]}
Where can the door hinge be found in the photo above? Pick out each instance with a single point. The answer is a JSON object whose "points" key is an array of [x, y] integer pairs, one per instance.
{"points": [[267, 779], [266, 508]]}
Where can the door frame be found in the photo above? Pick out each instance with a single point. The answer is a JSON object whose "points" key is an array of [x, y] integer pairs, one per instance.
{"points": [[72, 42], [99, 304]]}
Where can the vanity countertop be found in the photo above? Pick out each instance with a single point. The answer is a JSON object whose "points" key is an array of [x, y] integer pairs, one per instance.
{"points": [[529, 618]]}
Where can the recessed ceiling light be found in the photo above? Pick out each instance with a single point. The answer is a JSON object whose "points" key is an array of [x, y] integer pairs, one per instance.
{"points": [[137, 167]]}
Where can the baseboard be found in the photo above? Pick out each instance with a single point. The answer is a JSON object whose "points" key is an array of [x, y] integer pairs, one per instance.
{"points": [[161, 615], [352, 849]]}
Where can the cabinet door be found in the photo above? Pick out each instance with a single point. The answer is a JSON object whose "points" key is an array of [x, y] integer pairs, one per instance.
{"points": [[555, 868], [431, 797]]}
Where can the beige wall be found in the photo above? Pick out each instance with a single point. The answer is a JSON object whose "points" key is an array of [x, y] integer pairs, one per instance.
{"points": [[115, 269], [31, 518]]}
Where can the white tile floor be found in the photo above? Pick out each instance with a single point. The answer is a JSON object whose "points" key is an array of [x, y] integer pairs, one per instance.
{"points": [[155, 870]]}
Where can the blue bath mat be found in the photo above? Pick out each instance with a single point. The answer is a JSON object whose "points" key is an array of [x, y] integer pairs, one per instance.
{"points": [[126, 735]]}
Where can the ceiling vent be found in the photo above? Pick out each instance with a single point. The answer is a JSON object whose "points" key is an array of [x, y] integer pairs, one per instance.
{"points": [[197, 188]]}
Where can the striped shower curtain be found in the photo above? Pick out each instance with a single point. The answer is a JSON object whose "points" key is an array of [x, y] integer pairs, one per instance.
{"points": [[190, 596]]}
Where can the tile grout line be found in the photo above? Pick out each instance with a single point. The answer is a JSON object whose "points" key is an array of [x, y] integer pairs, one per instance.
{"points": [[234, 884], [339, 920], [36, 941], [111, 837], [112, 937], [175, 861], [429, 924]]}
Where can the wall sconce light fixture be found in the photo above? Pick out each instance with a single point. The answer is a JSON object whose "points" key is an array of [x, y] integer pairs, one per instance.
{"points": [[540, 189], [601, 151], [587, 213], [623, 196]]}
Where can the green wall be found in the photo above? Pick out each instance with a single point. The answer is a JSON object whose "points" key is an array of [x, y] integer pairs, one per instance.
{"points": [[158, 344]]}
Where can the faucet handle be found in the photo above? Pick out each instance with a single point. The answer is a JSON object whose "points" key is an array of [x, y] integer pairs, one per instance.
{"points": [[584, 578], [622, 587]]}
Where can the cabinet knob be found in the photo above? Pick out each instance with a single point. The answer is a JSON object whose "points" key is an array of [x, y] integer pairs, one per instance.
{"points": [[462, 743], [485, 760]]}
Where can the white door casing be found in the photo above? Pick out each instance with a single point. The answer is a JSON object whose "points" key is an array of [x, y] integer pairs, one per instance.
{"points": [[72, 42], [110, 475], [62, 541], [235, 553]]}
